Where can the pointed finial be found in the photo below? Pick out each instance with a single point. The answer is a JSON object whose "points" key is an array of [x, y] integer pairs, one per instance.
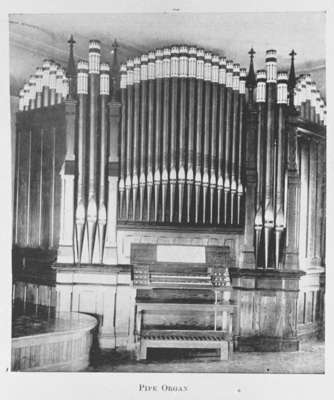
{"points": [[71, 70], [251, 78], [292, 80], [71, 41], [115, 73], [115, 45]]}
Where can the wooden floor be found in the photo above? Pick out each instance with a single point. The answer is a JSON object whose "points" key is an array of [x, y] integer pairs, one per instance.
{"points": [[310, 359]]}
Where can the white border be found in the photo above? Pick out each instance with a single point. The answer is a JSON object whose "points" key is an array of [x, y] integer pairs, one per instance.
{"points": [[125, 386]]}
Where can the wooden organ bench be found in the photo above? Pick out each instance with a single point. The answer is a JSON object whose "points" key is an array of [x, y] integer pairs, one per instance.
{"points": [[220, 337], [184, 305]]}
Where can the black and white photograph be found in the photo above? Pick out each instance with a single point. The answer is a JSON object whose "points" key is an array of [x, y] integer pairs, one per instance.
{"points": [[169, 192], [167, 231]]}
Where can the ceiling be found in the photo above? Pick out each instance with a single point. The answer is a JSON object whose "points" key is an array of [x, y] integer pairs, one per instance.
{"points": [[34, 37]]}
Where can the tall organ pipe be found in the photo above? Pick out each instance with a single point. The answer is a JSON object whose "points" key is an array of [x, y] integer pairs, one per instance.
{"points": [[271, 65], [260, 158], [228, 130], [45, 82], [165, 129], [199, 127], [158, 128], [136, 128], [21, 100], [143, 133], [59, 85], [235, 133], [242, 103], [26, 97], [213, 136], [80, 212], [129, 132], [282, 101], [173, 128], [39, 87], [183, 73], [94, 83], [121, 183], [206, 131], [313, 101], [191, 127], [221, 134], [102, 210], [303, 97], [322, 112], [308, 82], [317, 107], [32, 92], [150, 130], [52, 82]]}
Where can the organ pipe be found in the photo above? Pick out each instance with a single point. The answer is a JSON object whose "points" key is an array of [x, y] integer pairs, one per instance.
{"points": [[235, 127], [129, 139], [317, 107], [260, 152], [102, 210], [158, 129], [228, 130], [121, 184], [206, 129], [191, 128], [26, 97], [80, 212], [143, 132], [282, 101], [32, 92], [59, 85], [94, 83], [173, 128], [39, 87], [165, 128], [271, 65], [242, 106], [21, 100], [313, 101], [150, 130], [52, 83], [303, 97], [221, 135], [199, 127], [45, 82], [213, 150], [308, 83], [136, 131], [183, 74]]}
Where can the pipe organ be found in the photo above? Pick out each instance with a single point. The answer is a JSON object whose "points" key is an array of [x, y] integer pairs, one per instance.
{"points": [[172, 147], [182, 138]]}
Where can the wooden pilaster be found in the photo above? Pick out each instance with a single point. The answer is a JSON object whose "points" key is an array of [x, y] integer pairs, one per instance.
{"points": [[110, 251], [293, 198], [66, 252], [247, 259]]}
